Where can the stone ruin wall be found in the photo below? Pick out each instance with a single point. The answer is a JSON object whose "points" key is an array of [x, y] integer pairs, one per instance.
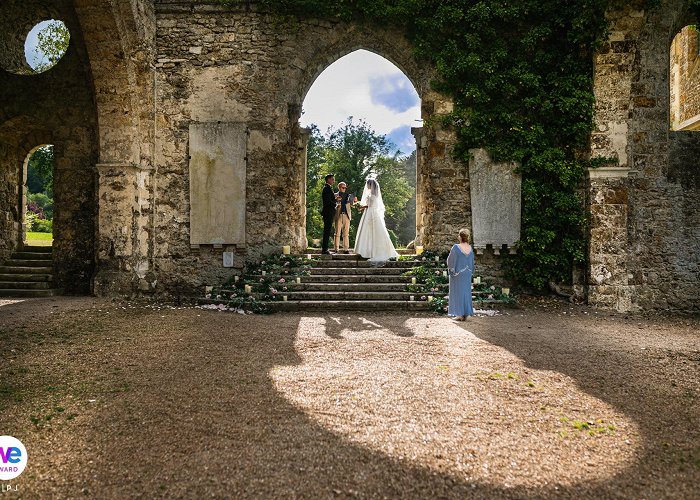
{"points": [[10, 223], [216, 65], [645, 231], [157, 68]]}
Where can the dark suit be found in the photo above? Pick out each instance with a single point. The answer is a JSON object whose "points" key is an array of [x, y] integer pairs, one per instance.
{"points": [[328, 213]]}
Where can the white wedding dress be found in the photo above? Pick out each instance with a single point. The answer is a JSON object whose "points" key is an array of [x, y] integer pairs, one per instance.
{"points": [[372, 240]]}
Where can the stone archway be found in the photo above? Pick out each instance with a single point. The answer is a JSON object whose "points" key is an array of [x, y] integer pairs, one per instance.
{"points": [[434, 229], [237, 71]]}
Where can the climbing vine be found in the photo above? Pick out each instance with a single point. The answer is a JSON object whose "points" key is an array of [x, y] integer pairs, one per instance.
{"points": [[521, 77]]}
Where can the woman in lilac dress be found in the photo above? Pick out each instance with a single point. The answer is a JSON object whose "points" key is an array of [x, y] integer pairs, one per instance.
{"points": [[460, 264]]}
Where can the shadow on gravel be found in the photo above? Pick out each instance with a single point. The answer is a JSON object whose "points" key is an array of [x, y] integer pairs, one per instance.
{"points": [[335, 324], [652, 386], [203, 418]]}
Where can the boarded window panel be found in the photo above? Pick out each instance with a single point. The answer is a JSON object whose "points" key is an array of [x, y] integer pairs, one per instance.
{"points": [[217, 183]]}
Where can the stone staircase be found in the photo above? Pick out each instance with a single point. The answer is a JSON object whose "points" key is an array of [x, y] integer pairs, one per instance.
{"points": [[345, 282], [28, 273]]}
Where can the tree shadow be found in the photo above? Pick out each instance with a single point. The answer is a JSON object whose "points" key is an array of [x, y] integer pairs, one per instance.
{"points": [[338, 324]]}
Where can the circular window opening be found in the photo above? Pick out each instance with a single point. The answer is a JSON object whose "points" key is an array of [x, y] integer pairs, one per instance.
{"points": [[46, 44]]}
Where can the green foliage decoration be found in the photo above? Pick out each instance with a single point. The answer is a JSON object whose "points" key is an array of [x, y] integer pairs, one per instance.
{"points": [[521, 77], [280, 271]]}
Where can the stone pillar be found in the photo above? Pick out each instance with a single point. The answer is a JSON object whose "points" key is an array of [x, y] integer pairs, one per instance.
{"points": [[421, 142], [11, 222], [123, 235], [609, 280], [302, 144], [443, 181]]}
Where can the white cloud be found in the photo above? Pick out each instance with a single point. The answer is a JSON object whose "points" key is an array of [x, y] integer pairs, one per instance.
{"points": [[343, 90]]}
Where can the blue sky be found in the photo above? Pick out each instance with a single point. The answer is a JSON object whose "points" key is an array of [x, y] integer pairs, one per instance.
{"points": [[365, 86]]}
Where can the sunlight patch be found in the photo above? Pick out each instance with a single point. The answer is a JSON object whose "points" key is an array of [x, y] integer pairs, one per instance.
{"points": [[9, 302], [429, 391]]}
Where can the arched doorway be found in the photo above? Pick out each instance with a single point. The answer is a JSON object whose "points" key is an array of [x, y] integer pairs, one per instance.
{"points": [[47, 97], [359, 113], [36, 197], [441, 183]]}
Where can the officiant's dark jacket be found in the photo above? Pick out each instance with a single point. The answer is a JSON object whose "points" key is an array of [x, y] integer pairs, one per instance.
{"points": [[328, 201]]}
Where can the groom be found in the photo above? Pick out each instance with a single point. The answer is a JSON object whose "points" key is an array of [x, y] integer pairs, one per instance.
{"points": [[328, 212]]}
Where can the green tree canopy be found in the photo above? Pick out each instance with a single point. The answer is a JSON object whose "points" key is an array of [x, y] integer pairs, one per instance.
{"points": [[352, 152], [40, 171]]}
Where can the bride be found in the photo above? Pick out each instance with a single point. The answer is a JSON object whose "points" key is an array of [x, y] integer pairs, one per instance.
{"points": [[372, 241]]}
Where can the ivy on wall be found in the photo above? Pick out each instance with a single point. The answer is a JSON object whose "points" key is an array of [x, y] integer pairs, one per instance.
{"points": [[521, 77]]}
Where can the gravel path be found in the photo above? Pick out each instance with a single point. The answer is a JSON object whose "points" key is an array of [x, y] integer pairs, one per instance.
{"points": [[117, 401]]}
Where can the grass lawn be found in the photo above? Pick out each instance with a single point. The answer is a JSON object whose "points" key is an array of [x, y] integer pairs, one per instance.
{"points": [[39, 239]]}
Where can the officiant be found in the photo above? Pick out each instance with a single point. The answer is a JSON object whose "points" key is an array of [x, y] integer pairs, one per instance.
{"points": [[343, 216]]}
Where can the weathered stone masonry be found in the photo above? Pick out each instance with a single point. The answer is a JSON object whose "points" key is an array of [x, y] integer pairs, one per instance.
{"points": [[645, 234], [245, 67], [139, 73]]}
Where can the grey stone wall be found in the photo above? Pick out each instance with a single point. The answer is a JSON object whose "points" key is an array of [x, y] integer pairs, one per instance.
{"points": [[10, 215], [646, 224], [138, 73]]}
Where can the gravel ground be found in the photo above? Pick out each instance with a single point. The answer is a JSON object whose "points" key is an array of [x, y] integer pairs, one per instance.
{"points": [[114, 400]]}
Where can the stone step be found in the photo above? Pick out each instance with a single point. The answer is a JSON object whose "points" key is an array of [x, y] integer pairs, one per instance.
{"points": [[329, 289], [25, 270], [346, 287], [335, 263], [27, 293], [27, 263], [321, 306], [348, 295], [43, 256], [25, 277], [367, 271], [26, 285], [37, 249], [356, 278], [400, 251]]}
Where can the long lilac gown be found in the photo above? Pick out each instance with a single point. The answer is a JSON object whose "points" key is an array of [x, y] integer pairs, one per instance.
{"points": [[460, 267]]}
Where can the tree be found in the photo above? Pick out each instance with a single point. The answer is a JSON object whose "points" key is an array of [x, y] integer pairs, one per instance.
{"points": [[40, 171], [352, 152], [405, 227], [53, 40]]}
